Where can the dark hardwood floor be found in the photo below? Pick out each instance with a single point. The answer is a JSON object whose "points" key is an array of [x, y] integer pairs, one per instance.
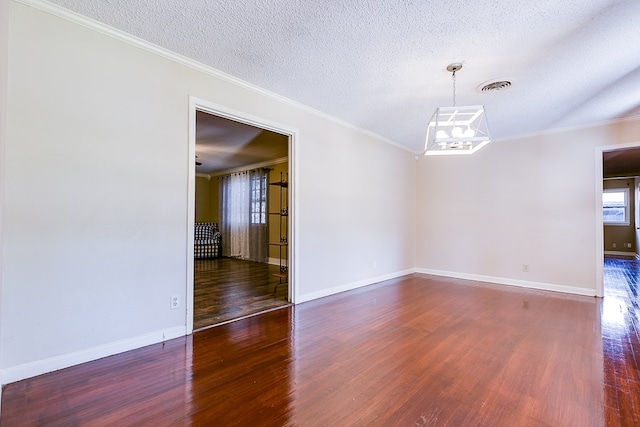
{"points": [[621, 341], [416, 351], [229, 288]]}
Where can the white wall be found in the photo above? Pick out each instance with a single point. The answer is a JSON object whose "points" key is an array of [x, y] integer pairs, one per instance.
{"points": [[523, 201], [3, 126], [363, 198], [95, 210]]}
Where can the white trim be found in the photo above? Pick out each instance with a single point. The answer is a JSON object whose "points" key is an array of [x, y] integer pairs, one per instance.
{"points": [[599, 264], [203, 175], [293, 223], [4, 71], [553, 131], [353, 285], [275, 261], [240, 116], [39, 367], [620, 253], [570, 129], [510, 282], [120, 35], [599, 229], [197, 104], [191, 216]]}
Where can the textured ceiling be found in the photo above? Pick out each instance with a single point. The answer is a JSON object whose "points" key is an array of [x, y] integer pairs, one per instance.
{"points": [[381, 64]]}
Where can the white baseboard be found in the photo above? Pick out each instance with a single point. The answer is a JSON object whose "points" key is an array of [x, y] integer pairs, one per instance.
{"points": [[620, 253], [28, 370], [353, 285], [511, 282], [276, 261]]}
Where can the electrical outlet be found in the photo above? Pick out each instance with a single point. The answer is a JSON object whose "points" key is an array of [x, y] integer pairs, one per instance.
{"points": [[175, 302], [628, 245], [525, 268], [614, 245]]}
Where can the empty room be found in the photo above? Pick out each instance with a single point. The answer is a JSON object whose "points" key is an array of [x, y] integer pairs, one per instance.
{"points": [[453, 225]]}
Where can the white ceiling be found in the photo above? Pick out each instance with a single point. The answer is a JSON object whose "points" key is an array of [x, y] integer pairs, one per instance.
{"points": [[381, 64]]}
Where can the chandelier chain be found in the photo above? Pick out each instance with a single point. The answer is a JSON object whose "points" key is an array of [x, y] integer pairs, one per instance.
{"points": [[454, 87]]}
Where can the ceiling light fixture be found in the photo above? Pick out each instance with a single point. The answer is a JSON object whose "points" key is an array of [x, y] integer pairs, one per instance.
{"points": [[456, 130]]}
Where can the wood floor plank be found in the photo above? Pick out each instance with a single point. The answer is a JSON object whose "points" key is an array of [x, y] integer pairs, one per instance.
{"points": [[621, 342], [229, 288], [419, 350]]}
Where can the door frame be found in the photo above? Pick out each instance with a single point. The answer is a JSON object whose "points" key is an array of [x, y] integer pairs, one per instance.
{"points": [[197, 104], [598, 207]]}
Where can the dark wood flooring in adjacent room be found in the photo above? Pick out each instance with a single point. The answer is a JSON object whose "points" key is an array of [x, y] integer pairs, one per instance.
{"points": [[415, 351], [229, 288], [621, 341]]}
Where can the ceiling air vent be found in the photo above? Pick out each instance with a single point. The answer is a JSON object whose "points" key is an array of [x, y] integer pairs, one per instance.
{"points": [[492, 86]]}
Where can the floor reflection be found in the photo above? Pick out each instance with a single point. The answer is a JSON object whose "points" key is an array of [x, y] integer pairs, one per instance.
{"points": [[417, 350], [613, 313], [621, 341], [244, 371]]}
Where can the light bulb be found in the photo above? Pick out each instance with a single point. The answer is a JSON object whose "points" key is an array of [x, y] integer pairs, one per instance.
{"points": [[441, 135], [457, 132], [469, 133]]}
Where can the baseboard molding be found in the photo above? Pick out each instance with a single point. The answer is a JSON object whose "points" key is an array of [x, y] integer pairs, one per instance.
{"points": [[620, 253], [353, 285], [28, 370], [276, 261], [511, 282], [32, 369]]}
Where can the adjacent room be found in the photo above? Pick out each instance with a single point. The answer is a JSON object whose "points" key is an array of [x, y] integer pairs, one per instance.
{"points": [[241, 220]]}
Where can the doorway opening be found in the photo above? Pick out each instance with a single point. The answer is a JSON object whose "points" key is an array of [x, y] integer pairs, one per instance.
{"points": [[241, 219], [618, 214]]}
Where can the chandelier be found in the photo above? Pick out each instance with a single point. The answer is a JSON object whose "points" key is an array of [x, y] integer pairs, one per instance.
{"points": [[456, 130]]}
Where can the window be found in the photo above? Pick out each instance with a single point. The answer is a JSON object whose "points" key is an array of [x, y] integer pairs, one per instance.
{"points": [[259, 198], [615, 206]]}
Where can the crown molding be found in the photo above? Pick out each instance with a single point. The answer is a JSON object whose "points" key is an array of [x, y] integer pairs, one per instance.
{"points": [[120, 35], [570, 128], [249, 167]]}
